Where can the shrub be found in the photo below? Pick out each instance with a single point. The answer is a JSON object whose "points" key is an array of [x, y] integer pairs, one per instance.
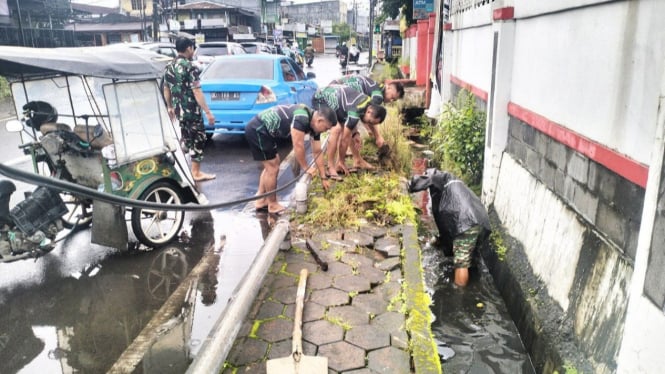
{"points": [[4, 88], [458, 139], [392, 130]]}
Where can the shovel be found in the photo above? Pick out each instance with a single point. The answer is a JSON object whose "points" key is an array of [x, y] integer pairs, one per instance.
{"points": [[297, 362]]}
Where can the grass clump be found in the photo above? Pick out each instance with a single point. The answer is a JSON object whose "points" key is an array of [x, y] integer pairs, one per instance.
{"points": [[377, 199]]}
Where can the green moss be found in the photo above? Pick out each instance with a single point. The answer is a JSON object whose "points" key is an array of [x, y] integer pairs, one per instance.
{"points": [[498, 245], [4, 88], [338, 321]]}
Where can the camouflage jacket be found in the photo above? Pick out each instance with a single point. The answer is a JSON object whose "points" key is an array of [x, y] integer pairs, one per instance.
{"points": [[181, 77]]}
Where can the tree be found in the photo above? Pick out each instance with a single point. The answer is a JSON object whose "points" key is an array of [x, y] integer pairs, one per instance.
{"points": [[391, 8], [343, 30]]}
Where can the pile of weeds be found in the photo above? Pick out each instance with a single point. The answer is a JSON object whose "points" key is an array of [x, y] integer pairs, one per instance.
{"points": [[359, 198]]}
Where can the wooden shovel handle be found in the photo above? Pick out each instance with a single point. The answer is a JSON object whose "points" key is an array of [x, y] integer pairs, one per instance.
{"points": [[297, 322]]}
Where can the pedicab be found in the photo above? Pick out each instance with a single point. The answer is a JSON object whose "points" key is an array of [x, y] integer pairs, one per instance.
{"points": [[94, 116]]}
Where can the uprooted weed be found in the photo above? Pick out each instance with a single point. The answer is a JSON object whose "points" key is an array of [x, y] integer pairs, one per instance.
{"points": [[364, 197]]}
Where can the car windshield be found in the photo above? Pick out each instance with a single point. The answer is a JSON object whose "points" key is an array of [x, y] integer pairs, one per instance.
{"points": [[212, 51], [224, 68], [250, 48]]}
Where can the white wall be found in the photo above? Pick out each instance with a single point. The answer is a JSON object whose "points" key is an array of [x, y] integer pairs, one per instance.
{"points": [[472, 56]]}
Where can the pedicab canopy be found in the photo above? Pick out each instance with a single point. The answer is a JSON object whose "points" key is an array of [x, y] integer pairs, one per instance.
{"points": [[101, 62]]}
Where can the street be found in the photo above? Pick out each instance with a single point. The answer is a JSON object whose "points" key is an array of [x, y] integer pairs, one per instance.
{"points": [[79, 307]]}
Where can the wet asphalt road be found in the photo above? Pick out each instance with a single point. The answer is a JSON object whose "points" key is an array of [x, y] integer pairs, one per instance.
{"points": [[79, 307]]}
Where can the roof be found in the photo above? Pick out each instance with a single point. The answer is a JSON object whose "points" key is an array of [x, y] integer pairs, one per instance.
{"points": [[103, 62], [204, 5], [92, 9]]}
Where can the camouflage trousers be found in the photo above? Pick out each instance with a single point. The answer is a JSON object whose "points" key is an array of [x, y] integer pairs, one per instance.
{"points": [[463, 246], [194, 137]]}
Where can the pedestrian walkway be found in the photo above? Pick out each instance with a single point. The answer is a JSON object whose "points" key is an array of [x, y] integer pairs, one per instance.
{"points": [[363, 313]]}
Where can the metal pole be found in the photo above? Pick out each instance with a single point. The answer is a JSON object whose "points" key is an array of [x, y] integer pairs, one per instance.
{"points": [[372, 3]]}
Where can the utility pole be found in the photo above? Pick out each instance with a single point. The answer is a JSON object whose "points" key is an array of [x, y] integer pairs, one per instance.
{"points": [[372, 4]]}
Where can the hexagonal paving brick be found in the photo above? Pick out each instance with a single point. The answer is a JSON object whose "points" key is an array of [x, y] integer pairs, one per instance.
{"points": [[373, 275], [389, 360], [352, 283], [390, 321], [322, 236], [284, 348], [322, 332], [319, 281], [343, 356], [255, 368], [285, 295], [388, 246], [275, 330], [368, 337], [399, 339], [333, 246], [396, 230], [370, 303], [312, 311], [281, 280], [247, 350], [360, 238], [336, 268], [356, 260], [389, 264], [270, 309], [330, 297], [375, 231], [349, 314], [295, 267], [360, 371], [388, 290]]}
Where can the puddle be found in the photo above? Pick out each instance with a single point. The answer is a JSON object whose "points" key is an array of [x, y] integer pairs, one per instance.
{"points": [[472, 328]]}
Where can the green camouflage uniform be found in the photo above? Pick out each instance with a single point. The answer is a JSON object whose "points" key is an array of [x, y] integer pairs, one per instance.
{"points": [[463, 246], [181, 77]]}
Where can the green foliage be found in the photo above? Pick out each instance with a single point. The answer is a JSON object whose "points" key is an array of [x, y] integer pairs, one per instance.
{"points": [[458, 139], [343, 30], [392, 130], [498, 245], [391, 8], [378, 199], [4, 88]]}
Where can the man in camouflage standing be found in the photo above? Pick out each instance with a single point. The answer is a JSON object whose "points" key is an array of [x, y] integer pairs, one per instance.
{"points": [[185, 100]]}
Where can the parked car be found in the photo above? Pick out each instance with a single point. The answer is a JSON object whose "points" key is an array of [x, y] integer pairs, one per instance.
{"points": [[206, 52], [238, 87], [163, 48], [256, 47]]}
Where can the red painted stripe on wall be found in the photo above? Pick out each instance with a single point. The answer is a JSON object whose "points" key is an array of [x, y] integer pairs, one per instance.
{"points": [[473, 89], [617, 162]]}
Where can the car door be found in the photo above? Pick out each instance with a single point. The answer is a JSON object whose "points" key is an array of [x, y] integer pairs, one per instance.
{"points": [[302, 87]]}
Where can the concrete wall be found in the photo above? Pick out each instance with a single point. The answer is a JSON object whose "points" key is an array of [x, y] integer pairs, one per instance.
{"points": [[573, 167]]}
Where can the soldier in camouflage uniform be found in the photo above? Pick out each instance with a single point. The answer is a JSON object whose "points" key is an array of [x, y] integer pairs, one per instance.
{"points": [[184, 100], [351, 107], [379, 92], [284, 122]]}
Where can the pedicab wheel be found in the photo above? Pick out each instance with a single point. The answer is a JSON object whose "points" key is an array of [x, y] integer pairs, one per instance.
{"points": [[155, 228], [167, 270], [79, 212]]}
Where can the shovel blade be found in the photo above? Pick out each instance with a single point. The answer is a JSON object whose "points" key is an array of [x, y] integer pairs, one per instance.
{"points": [[307, 365]]}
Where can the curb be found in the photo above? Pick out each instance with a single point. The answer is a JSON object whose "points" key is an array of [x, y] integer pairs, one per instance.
{"points": [[217, 345]]}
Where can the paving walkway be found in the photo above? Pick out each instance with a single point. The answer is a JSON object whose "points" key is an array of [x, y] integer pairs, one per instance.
{"points": [[360, 313]]}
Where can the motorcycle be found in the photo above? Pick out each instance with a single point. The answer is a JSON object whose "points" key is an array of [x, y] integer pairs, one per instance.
{"points": [[342, 60], [309, 59], [96, 118]]}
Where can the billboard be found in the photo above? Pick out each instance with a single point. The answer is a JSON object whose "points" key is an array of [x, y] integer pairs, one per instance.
{"points": [[422, 8]]}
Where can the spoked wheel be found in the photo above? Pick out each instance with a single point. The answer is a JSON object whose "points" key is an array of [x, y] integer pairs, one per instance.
{"points": [[167, 271], [79, 212], [155, 228]]}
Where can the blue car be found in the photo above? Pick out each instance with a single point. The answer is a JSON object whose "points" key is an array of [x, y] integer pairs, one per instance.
{"points": [[238, 87]]}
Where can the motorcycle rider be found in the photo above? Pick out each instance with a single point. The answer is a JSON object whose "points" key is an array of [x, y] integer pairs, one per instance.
{"points": [[343, 54], [309, 54]]}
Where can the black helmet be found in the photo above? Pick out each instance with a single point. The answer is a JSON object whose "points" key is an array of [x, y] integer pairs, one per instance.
{"points": [[39, 113]]}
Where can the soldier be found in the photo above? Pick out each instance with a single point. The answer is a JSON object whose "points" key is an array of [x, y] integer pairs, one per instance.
{"points": [[185, 100], [380, 93], [351, 107], [280, 122]]}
